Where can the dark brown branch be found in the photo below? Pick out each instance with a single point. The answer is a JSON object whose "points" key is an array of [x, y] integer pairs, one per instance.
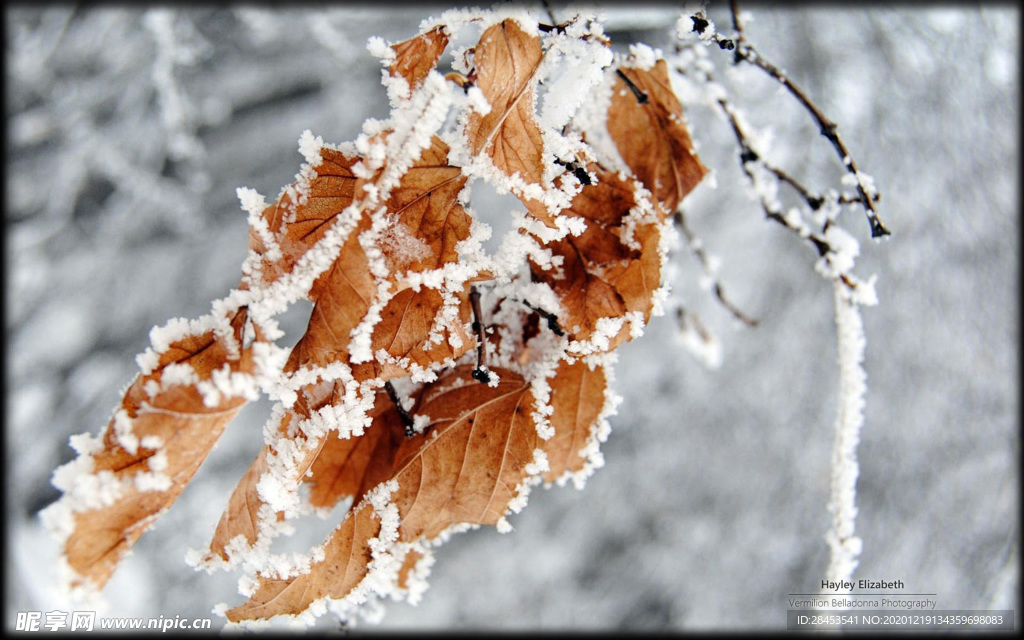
{"points": [[684, 318], [480, 372], [551, 318], [407, 420], [737, 26], [548, 28], [691, 240], [813, 200], [827, 127], [749, 156], [578, 171], [551, 13], [641, 97]]}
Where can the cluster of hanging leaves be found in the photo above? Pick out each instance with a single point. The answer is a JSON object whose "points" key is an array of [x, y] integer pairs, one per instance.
{"points": [[434, 384]]}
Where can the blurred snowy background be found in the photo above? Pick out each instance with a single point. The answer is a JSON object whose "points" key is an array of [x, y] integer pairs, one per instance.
{"points": [[129, 131]]}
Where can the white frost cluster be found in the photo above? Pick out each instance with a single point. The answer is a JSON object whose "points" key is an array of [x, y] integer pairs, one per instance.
{"points": [[844, 546]]}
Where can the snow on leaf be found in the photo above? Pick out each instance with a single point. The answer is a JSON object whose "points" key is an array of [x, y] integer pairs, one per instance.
{"points": [[577, 399], [404, 334], [303, 213], [346, 560], [651, 136], [241, 517], [416, 57], [463, 470], [377, 234], [175, 415], [405, 573], [426, 203], [480, 440], [639, 278], [601, 274], [349, 467], [506, 61], [342, 296]]}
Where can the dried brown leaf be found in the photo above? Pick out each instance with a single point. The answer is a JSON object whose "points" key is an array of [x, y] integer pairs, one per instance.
{"points": [[408, 565], [477, 446], [426, 206], [577, 398], [346, 559], [506, 60], [403, 332], [601, 276], [652, 137], [342, 296], [188, 429], [241, 517], [465, 468], [296, 226], [638, 279], [349, 467], [416, 57]]}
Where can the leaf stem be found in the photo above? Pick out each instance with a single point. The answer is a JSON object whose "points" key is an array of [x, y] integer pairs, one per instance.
{"points": [[480, 373], [407, 420], [641, 97], [551, 318]]}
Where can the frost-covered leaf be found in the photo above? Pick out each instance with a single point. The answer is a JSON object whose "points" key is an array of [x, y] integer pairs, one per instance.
{"points": [[346, 562], [603, 274], [342, 296], [465, 468], [426, 205], [638, 279], [651, 136], [406, 335], [241, 517], [161, 433], [577, 398], [424, 223], [403, 335], [506, 61], [478, 443], [349, 467], [302, 214], [416, 57], [378, 234]]}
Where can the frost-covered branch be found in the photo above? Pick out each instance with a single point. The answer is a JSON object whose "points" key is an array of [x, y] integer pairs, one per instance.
{"points": [[844, 546], [836, 248], [746, 52], [697, 247]]}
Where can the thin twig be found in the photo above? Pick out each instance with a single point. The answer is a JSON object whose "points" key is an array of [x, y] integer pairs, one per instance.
{"points": [[749, 156], [737, 25], [578, 171], [551, 318], [550, 10], [691, 240], [813, 200], [407, 419], [641, 97], [480, 372], [747, 52]]}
